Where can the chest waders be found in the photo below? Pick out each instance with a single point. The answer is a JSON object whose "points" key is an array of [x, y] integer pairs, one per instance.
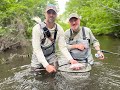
{"points": [[77, 54], [50, 49]]}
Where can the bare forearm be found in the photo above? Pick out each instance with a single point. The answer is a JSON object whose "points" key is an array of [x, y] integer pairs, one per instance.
{"points": [[97, 48]]}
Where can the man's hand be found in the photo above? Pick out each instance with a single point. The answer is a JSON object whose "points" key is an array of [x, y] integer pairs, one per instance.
{"points": [[80, 46], [50, 69], [101, 55], [74, 62]]}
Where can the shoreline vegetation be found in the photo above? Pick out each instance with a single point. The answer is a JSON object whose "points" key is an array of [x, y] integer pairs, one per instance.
{"points": [[102, 17]]}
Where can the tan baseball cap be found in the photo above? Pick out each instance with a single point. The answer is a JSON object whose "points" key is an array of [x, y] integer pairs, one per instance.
{"points": [[51, 6], [74, 15]]}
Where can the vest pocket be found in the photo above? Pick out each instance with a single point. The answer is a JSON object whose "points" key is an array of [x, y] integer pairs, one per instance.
{"points": [[48, 50]]}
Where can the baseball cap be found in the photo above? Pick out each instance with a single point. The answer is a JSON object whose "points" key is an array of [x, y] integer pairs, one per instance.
{"points": [[51, 6], [74, 15]]}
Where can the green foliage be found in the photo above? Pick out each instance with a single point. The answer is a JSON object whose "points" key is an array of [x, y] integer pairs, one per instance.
{"points": [[2, 31], [102, 16], [62, 23], [18, 14], [29, 32]]}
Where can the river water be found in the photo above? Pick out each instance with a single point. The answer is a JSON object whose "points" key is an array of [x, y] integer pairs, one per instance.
{"points": [[105, 74]]}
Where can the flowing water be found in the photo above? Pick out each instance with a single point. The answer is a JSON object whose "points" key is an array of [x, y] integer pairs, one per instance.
{"points": [[105, 74]]}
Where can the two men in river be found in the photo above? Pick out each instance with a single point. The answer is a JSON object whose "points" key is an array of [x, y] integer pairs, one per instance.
{"points": [[46, 35]]}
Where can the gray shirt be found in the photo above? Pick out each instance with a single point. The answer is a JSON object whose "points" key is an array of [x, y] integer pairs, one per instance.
{"points": [[79, 35]]}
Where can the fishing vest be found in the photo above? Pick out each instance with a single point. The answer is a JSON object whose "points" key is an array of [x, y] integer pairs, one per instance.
{"points": [[77, 54], [50, 49]]}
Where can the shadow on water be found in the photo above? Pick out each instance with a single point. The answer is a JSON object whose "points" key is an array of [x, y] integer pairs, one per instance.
{"points": [[105, 75]]}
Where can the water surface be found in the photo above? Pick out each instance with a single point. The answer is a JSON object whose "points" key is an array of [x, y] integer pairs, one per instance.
{"points": [[105, 74]]}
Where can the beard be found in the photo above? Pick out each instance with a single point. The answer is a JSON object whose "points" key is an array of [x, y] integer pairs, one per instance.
{"points": [[51, 20], [75, 27]]}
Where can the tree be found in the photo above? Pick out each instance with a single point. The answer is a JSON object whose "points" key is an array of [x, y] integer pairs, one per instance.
{"points": [[102, 16], [17, 14]]}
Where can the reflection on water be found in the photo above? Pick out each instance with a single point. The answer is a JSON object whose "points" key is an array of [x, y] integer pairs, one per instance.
{"points": [[105, 75]]}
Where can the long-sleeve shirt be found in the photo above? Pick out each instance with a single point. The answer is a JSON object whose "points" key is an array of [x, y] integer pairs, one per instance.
{"points": [[37, 36], [89, 35]]}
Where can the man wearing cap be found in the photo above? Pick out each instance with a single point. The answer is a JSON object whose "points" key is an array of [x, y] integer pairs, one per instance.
{"points": [[79, 39], [45, 36]]}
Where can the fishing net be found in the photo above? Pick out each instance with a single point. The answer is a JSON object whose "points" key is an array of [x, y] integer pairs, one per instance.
{"points": [[66, 68], [74, 75]]}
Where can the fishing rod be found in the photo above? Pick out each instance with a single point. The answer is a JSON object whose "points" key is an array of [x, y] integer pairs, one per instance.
{"points": [[104, 51]]}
